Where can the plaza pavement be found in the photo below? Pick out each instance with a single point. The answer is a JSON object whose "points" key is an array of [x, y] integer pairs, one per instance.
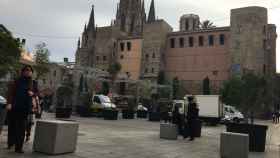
{"points": [[139, 138]]}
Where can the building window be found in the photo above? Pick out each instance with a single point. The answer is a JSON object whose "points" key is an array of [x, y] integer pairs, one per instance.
{"points": [[222, 39], [264, 69], [147, 56], [122, 46], [152, 70], [104, 58], [200, 40], [215, 73], [172, 43], [128, 46], [187, 25], [190, 41], [97, 58], [154, 55], [54, 73], [182, 42], [211, 40], [44, 81], [146, 70], [121, 56]]}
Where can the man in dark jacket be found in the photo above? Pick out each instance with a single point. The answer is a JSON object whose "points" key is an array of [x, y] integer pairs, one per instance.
{"points": [[19, 105], [192, 116]]}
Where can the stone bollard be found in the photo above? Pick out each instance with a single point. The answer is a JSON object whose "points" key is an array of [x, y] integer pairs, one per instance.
{"points": [[234, 145], [55, 137], [168, 131]]}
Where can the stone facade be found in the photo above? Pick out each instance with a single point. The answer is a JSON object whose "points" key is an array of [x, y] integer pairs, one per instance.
{"points": [[191, 54]]}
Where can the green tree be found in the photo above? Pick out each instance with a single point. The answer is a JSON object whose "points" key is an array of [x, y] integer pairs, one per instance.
{"points": [[231, 92], [9, 52], [247, 93], [161, 78], [42, 61], [206, 86], [114, 70], [207, 24], [81, 84], [175, 87]]}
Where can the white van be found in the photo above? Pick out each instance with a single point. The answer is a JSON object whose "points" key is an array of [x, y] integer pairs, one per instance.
{"points": [[232, 114], [100, 102]]}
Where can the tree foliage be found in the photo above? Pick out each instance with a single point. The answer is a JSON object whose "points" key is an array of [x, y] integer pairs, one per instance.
{"points": [[246, 92], [9, 52], [207, 24], [42, 61], [161, 78], [114, 69], [175, 87]]}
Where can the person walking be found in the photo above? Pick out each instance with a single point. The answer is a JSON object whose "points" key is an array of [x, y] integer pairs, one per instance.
{"points": [[19, 105], [177, 120], [277, 116], [192, 117]]}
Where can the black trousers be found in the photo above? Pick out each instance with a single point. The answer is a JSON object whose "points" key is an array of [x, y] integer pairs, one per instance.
{"points": [[16, 129], [191, 126]]}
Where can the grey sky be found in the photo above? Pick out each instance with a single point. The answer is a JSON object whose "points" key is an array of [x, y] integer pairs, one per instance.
{"points": [[59, 23]]}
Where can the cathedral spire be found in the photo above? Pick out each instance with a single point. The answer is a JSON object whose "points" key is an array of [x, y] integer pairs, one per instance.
{"points": [[79, 43], [85, 29], [91, 23], [143, 11], [152, 14]]}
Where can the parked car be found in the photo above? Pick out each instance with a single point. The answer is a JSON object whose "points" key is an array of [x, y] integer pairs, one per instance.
{"points": [[231, 114], [100, 103], [3, 101]]}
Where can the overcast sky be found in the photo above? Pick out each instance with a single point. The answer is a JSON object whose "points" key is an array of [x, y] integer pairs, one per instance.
{"points": [[59, 23]]}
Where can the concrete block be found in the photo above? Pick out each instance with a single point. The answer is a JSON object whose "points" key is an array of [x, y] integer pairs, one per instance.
{"points": [[55, 137], [234, 145], [168, 131]]}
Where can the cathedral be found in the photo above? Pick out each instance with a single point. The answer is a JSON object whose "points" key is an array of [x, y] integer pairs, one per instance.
{"points": [[146, 46]]}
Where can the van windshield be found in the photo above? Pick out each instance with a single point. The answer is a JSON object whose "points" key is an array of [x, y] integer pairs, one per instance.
{"points": [[105, 99]]}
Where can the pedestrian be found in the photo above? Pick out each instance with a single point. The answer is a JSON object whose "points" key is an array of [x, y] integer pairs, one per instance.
{"points": [[19, 105], [177, 120], [192, 117], [277, 115], [274, 117]]}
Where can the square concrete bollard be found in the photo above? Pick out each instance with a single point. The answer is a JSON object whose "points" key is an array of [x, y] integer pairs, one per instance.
{"points": [[234, 145], [55, 137], [168, 131]]}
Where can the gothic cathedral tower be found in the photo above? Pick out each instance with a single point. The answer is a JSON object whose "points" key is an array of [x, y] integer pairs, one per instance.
{"points": [[131, 16]]}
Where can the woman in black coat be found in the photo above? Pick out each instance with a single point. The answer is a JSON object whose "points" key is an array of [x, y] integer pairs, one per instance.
{"points": [[192, 117]]}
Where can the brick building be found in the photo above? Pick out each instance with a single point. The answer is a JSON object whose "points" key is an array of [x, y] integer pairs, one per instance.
{"points": [[145, 46]]}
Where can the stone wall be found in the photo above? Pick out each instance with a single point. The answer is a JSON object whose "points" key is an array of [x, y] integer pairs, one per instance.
{"points": [[154, 45], [247, 39]]}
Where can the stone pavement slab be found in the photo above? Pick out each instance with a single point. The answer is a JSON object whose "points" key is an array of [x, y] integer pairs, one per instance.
{"points": [[139, 138]]}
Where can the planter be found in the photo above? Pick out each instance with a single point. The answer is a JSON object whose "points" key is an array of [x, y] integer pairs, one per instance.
{"points": [[110, 114], [128, 114], [257, 134], [63, 112], [84, 111], [142, 114], [154, 116]]}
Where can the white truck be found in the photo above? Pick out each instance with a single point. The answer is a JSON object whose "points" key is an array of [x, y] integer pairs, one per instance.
{"points": [[210, 108]]}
